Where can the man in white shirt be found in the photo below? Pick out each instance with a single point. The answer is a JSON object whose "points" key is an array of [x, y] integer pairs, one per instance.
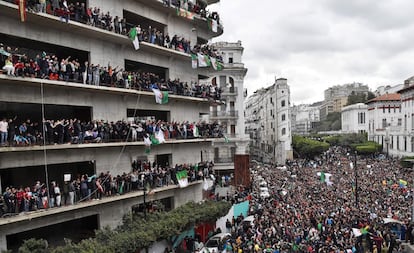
{"points": [[3, 131]]}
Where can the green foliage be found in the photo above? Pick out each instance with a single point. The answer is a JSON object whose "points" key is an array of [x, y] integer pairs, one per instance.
{"points": [[34, 246], [331, 123], [138, 232], [85, 246], [346, 140], [406, 161], [359, 97], [305, 147], [368, 147]]}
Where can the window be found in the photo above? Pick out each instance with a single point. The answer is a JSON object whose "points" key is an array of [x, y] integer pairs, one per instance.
{"points": [[384, 123], [230, 57], [412, 144], [283, 103], [389, 109], [283, 117], [383, 109], [283, 131], [405, 122], [361, 118], [399, 122], [412, 121], [398, 142], [405, 143]]}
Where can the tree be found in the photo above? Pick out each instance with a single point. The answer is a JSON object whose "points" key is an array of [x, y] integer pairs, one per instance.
{"points": [[331, 123], [305, 147], [34, 246], [138, 232], [359, 97]]}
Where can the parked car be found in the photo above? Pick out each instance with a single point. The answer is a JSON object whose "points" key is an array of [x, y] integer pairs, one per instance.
{"points": [[216, 243]]}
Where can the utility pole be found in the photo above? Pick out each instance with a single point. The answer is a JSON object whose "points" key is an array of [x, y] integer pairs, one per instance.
{"points": [[356, 179]]}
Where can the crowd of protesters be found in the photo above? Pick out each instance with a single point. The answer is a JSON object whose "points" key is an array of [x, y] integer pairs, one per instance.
{"points": [[313, 207], [95, 17], [17, 199], [16, 62], [198, 7], [74, 131]]}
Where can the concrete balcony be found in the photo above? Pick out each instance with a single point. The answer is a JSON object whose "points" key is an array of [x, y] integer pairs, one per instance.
{"points": [[53, 22], [234, 65], [96, 145], [109, 210], [217, 115], [19, 81], [198, 20], [223, 160], [229, 91], [212, 1]]}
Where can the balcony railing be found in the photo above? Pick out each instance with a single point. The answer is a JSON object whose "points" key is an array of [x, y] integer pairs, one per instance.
{"points": [[223, 160], [229, 91], [224, 114]]}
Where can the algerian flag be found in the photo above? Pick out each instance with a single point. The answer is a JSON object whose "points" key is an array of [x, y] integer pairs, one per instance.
{"points": [[147, 140], [160, 136], [219, 65], [193, 61], [161, 97], [195, 131], [203, 60], [213, 62], [154, 141], [133, 35], [182, 178], [322, 176], [214, 25], [226, 139]]}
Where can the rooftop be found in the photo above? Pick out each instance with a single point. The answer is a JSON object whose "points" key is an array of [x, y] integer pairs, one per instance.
{"points": [[386, 97]]}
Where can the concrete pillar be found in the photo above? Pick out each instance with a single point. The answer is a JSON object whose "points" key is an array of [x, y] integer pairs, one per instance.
{"points": [[3, 242], [241, 148]]}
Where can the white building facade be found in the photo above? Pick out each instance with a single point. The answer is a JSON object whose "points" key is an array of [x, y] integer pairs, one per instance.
{"points": [[303, 118], [406, 130], [268, 121], [229, 113], [385, 121], [354, 118]]}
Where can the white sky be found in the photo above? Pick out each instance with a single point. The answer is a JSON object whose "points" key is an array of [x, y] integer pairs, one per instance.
{"points": [[316, 44]]}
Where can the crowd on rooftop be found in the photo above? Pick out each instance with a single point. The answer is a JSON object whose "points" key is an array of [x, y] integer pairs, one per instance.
{"points": [[312, 207], [144, 175], [16, 132]]}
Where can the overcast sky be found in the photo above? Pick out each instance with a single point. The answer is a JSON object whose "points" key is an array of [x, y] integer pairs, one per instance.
{"points": [[316, 44]]}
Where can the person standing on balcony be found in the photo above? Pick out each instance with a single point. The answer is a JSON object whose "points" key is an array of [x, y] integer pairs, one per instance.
{"points": [[42, 6], [4, 127]]}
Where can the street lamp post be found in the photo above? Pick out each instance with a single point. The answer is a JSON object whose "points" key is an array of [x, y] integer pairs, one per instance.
{"points": [[356, 179]]}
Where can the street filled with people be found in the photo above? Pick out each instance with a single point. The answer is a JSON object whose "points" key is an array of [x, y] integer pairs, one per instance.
{"points": [[332, 204]]}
